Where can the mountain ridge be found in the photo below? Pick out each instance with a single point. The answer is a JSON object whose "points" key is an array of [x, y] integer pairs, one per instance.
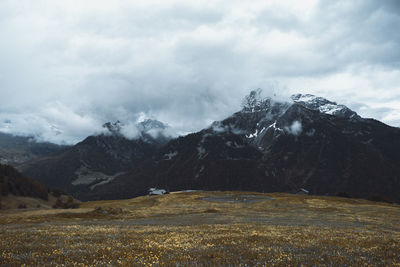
{"points": [[272, 146], [267, 146], [97, 159]]}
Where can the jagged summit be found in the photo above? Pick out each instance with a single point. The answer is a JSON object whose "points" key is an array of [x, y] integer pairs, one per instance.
{"points": [[263, 116], [150, 124], [323, 105], [113, 127], [255, 103], [146, 127]]}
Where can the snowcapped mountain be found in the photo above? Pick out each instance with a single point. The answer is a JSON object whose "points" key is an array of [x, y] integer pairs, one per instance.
{"points": [[309, 142], [324, 106], [149, 125], [269, 146]]}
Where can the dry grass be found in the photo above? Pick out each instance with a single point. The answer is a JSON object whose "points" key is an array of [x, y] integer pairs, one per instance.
{"points": [[229, 228], [13, 201]]}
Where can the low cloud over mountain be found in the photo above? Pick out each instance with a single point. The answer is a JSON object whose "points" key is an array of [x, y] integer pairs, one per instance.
{"points": [[69, 66]]}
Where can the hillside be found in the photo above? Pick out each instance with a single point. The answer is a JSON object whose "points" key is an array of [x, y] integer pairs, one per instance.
{"points": [[96, 160], [20, 192], [14, 183], [268, 146]]}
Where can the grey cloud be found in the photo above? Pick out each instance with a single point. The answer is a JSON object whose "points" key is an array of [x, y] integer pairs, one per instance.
{"points": [[296, 128], [361, 31], [188, 64]]}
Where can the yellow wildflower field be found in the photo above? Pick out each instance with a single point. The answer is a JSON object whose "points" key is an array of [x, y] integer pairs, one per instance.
{"points": [[205, 229]]}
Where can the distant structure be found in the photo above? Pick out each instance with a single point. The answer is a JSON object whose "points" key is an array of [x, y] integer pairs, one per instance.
{"points": [[302, 191], [156, 192]]}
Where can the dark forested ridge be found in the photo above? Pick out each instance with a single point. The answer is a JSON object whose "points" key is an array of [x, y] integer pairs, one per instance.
{"points": [[13, 182]]}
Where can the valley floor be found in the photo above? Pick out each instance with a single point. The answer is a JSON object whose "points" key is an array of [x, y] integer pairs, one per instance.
{"points": [[203, 229]]}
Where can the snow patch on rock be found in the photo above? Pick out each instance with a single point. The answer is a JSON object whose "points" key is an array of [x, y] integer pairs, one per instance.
{"points": [[275, 127]]}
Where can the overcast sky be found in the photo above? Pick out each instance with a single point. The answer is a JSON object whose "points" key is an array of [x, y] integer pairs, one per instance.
{"points": [[66, 67]]}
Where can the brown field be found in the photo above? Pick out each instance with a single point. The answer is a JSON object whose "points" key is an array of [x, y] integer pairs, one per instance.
{"points": [[205, 229]]}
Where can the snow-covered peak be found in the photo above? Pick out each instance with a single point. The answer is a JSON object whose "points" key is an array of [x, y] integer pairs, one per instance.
{"points": [[312, 101], [148, 125], [155, 131], [323, 105]]}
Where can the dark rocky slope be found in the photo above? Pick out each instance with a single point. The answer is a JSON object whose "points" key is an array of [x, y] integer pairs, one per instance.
{"points": [[97, 159], [309, 143]]}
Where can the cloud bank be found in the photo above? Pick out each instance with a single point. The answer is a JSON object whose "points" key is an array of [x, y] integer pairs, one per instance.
{"points": [[296, 128], [69, 66]]}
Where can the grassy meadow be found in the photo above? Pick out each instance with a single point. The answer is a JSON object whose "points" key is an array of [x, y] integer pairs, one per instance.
{"points": [[205, 229]]}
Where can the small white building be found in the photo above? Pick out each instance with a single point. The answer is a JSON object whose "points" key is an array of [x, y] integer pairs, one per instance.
{"points": [[156, 191]]}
